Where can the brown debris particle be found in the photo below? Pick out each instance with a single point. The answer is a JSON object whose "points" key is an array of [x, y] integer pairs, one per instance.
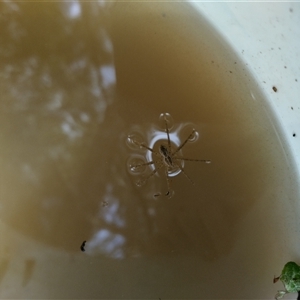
{"points": [[82, 246], [274, 88]]}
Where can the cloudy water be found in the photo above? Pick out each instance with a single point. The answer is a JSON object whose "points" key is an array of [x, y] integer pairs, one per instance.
{"points": [[78, 81]]}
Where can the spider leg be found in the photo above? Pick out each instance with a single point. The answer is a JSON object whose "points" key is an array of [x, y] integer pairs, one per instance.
{"points": [[133, 167], [144, 146], [142, 181], [182, 145], [207, 161], [186, 175], [168, 134], [169, 192]]}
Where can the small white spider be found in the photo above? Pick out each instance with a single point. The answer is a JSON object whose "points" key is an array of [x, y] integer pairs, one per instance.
{"points": [[167, 158]]}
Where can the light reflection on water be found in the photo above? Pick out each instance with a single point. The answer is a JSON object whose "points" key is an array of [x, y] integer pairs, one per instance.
{"points": [[111, 214], [59, 80], [72, 9], [107, 243]]}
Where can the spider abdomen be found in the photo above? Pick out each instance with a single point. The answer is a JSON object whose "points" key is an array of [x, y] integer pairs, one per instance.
{"points": [[167, 158]]}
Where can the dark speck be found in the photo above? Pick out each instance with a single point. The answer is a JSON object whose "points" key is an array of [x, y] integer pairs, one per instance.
{"points": [[275, 279], [212, 61], [294, 134], [296, 80], [291, 10], [292, 108], [285, 67], [230, 72], [82, 246], [274, 89]]}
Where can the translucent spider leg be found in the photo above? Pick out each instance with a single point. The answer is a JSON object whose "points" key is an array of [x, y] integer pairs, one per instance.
{"points": [[144, 146], [186, 175], [143, 164], [182, 145], [168, 134], [169, 191], [207, 161], [151, 174]]}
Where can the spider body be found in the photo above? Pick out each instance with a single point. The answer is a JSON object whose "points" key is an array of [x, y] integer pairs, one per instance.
{"points": [[166, 158]]}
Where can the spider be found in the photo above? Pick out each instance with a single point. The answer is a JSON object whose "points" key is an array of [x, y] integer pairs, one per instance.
{"points": [[167, 158]]}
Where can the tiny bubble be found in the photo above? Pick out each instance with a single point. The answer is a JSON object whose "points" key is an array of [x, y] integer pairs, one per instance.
{"points": [[208, 161]]}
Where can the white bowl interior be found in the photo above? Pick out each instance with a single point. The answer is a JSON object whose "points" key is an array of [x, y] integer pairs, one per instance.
{"points": [[78, 78]]}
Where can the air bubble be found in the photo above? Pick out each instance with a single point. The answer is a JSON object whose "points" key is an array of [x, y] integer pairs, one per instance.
{"points": [[166, 118], [208, 161]]}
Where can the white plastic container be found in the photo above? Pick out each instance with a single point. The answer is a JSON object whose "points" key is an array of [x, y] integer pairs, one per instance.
{"points": [[78, 78]]}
